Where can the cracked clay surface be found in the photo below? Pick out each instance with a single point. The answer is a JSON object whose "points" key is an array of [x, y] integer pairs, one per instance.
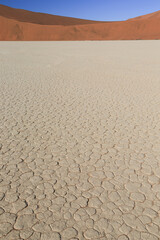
{"points": [[80, 140]]}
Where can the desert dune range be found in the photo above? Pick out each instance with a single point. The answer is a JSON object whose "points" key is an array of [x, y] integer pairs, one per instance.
{"points": [[80, 137], [22, 25]]}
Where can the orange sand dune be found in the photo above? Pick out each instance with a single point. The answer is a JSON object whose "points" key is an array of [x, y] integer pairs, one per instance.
{"points": [[39, 18], [17, 24]]}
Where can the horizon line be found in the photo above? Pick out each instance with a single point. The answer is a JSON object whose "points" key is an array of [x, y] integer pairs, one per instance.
{"points": [[77, 17]]}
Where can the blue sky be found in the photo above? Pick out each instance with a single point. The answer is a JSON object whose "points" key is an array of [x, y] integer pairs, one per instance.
{"points": [[104, 10]]}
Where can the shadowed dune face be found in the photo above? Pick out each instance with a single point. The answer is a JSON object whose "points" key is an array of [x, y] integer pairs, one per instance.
{"points": [[17, 24], [40, 18]]}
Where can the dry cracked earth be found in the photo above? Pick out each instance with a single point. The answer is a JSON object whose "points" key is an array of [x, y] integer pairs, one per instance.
{"points": [[80, 140]]}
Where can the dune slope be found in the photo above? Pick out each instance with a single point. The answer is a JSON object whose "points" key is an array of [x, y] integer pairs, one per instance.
{"points": [[17, 24]]}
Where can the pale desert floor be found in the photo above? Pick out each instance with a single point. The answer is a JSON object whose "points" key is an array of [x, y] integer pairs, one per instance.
{"points": [[80, 140]]}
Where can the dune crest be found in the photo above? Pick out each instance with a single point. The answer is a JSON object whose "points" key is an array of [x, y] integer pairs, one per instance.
{"points": [[18, 24]]}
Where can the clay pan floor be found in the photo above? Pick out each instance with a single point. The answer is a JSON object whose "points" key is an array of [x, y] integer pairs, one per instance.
{"points": [[80, 140]]}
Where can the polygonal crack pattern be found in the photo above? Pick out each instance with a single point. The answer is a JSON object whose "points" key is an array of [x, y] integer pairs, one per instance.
{"points": [[80, 141]]}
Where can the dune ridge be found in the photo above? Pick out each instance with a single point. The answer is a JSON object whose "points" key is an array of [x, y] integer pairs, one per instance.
{"points": [[22, 25]]}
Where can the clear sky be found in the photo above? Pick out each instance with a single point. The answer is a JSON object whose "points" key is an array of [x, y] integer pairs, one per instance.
{"points": [[104, 10]]}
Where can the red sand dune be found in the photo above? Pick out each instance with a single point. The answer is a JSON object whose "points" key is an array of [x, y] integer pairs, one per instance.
{"points": [[17, 24]]}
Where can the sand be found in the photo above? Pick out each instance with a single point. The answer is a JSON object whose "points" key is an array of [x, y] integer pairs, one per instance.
{"points": [[19, 24], [80, 137]]}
